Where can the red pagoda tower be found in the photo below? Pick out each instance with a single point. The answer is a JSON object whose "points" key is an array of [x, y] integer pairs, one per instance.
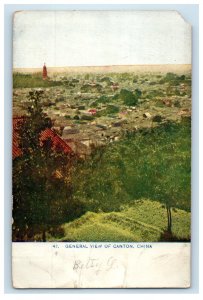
{"points": [[44, 72]]}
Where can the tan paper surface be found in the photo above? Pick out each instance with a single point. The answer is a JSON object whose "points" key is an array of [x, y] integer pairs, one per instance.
{"points": [[162, 265]]}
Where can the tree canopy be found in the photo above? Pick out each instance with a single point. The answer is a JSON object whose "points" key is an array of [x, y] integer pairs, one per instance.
{"points": [[152, 164], [42, 190]]}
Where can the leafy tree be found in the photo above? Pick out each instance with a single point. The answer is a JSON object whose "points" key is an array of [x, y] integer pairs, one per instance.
{"points": [[153, 164], [130, 98], [161, 169], [42, 191]]}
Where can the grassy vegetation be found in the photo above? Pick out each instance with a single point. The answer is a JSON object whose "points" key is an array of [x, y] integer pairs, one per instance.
{"points": [[125, 189], [152, 164], [32, 81], [174, 79], [130, 98], [143, 221], [109, 110]]}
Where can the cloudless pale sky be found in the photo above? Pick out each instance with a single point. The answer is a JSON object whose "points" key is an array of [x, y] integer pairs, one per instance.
{"points": [[96, 38]]}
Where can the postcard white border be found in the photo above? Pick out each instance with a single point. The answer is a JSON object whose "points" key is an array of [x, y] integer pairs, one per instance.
{"points": [[101, 265]]}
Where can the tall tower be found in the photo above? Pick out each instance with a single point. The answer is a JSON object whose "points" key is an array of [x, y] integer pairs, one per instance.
{"points": [[44, 72]]}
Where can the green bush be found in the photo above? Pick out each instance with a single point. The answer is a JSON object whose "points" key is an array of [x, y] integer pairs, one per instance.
{"points": [[129, 98], [103, 99], [153, 164], [32, 81], [109, 110], [173, 79], [87, 117], [154, 93], [177, 103]]}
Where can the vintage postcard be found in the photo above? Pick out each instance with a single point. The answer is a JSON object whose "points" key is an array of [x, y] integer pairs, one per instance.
{"points": [[101, 149]]}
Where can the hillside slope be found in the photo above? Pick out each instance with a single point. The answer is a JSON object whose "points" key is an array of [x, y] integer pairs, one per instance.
{"points": [[142, 222]]}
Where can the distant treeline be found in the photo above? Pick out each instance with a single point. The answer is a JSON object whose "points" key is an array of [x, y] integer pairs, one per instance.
{"points": [[32, 81]]}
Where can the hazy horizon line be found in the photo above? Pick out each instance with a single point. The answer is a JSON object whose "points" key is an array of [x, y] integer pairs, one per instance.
{"points": [[93, 66]]}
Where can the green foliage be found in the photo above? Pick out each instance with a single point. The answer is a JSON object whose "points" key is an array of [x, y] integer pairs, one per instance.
{"points": [[103, 99], [112, 109], [170, 76], [33, 125], [87, 88], [59, 99], [42, 193], [125, 76], [142, 221], [154, 93], [157, 118], [32, 81], [87, 117], [129, 98], [153, 164], [109, 110], [137, 93], [87, 76], [106, 79], [173, 79], [135, 79], [177, 103]]}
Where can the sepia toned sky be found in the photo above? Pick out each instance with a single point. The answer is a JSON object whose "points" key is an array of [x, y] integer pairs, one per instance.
{"points": [[97, 38]]}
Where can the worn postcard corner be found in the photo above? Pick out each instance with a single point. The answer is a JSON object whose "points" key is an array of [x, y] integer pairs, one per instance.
{"points": [[101, 149]]}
